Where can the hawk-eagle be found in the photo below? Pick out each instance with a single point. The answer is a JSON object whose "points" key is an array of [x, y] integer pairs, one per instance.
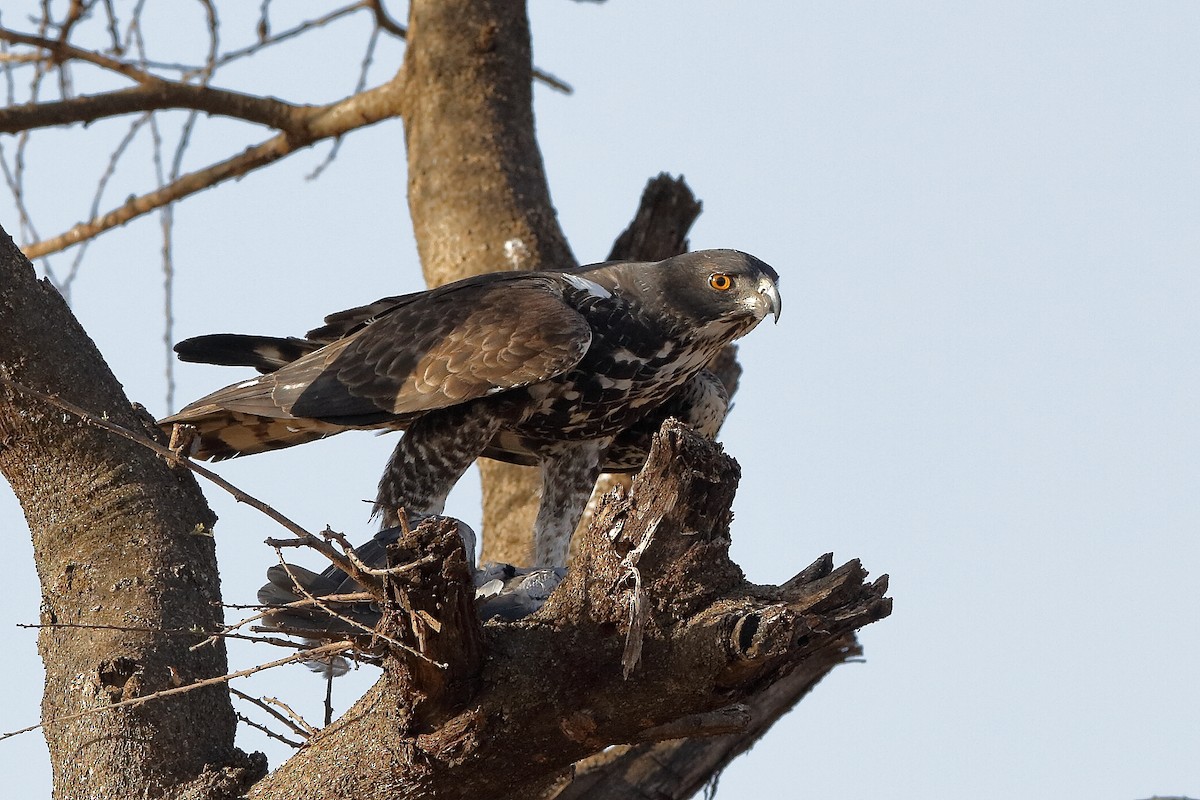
{"points": [[571, 370]]}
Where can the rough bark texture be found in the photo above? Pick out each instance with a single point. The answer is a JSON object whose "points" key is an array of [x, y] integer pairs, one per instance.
{"points": [[661, 223], [476, 185], [677, 769], [120, 539], [655, 635], [477, 189]]}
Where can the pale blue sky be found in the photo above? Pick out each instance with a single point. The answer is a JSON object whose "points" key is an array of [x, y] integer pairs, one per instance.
{"points": [[984, 383]]}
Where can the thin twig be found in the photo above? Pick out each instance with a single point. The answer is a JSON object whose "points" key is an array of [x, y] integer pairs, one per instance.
{"points": [[384, 20], [323, 122], [214, 40], [364, 567], [303, 27], [356, 655], [113, 34], [135, 24], [228, 630], [101, 185], [63, 51], [264, 20], [361, 566], [12, 177], [293, 720], [75, 12], [321, 603], [300, 720], [557, 84], [368, 57], [226, 634], [274, 641], [259, 726], [171, 457], [304, 655], [167, 226]]}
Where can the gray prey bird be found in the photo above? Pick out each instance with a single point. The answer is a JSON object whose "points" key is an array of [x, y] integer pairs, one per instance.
{"points": [[569, 370]]}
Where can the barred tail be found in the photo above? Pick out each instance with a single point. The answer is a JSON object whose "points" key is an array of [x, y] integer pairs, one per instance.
{"points": [[225, 434]]}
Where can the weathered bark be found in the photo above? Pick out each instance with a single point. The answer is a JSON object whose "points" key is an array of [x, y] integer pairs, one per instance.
{"points": [[477, 189], [119, 539], [661, 223], [678, 768], [654, 635], [476, 185]]}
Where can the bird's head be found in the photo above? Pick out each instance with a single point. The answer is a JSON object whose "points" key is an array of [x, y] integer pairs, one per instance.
{"points": [[727, 292]]}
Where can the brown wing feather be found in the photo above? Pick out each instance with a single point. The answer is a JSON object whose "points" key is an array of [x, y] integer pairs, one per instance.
{"points": [[437, 351], [442, 350]]}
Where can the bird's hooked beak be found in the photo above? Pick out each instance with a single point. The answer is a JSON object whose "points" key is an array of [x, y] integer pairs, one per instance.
{"points": [[768, 290]]}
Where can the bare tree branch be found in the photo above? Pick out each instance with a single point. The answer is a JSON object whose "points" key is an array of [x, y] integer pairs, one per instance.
{"points": [[61, 52], [304, 27], [321, 122], [155, 95], [310, 654], [288, 717], [264, 729]]}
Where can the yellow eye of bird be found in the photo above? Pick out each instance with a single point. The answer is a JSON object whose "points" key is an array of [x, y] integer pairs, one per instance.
{"points": [[720, 281]]}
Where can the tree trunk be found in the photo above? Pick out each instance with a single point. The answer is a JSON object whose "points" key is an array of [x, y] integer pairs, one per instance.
{"points": [[477, 189], [120, 540]]}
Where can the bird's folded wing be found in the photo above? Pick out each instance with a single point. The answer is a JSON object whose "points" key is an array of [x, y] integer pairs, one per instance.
{"points": [[438, 350]]}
